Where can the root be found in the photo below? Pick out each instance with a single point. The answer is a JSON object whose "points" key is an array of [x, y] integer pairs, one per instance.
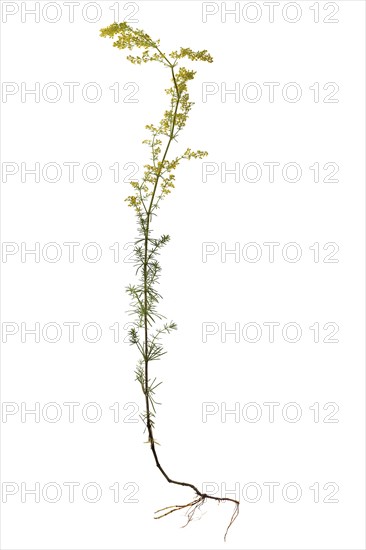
{"points": [[195, 505]]}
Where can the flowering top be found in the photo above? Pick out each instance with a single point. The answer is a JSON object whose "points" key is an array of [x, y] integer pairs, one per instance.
{"points": [[158, 179]]}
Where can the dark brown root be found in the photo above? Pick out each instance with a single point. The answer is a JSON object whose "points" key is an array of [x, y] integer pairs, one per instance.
{"points": [[195, 505]]}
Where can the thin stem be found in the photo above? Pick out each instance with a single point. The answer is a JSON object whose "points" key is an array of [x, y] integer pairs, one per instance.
{"points": [[146, 250], [202, 496]]}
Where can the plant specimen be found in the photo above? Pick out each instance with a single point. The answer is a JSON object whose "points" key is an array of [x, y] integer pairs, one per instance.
{"points": [[156, 183]]}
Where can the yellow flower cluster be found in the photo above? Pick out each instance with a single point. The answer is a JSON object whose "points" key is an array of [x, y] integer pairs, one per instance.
{"points": [[158, 179]]}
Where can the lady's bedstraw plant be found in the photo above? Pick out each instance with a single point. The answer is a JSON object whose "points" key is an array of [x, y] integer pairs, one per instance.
{"points": [[156, 183]]}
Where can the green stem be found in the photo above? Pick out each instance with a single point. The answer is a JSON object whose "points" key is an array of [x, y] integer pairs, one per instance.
{"points": [[146, 250]]}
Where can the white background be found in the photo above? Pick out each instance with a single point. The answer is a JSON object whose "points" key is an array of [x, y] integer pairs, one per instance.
{"points": [[195, 292]]}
